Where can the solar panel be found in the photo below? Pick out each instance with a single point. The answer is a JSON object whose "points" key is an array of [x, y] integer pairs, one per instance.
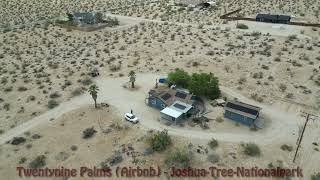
{"points": [[181, 95], [179, 106], [166, 96], [241, 108]]}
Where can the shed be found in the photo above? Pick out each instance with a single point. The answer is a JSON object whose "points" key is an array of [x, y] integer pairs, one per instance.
{"points": [[241, 112], [283, 19], [176, 112], [171, 114]]}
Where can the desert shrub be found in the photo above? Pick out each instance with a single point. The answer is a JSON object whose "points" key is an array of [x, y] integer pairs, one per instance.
{"points": [[160, 141], [315, 176], [213, 158], [87, 81], [282, 87], [195, 64], [205, 85], [286, 147], [251, 149], [115, 67], [88, 133], [292, 37], [242, 26], [76, 92], [74, 148], [179, 77], [31, 98], [22, 160], [22, 88], [112, 21], [213, 143], [219, 119], [210, 53], [8, 89], [54, 95], [18, 140], [52, 104], [38, 162], [179, 158], [115, 159], [6, 106]]}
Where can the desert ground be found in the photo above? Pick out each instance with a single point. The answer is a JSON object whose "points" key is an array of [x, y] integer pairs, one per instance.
{"points": [[45, 74]]}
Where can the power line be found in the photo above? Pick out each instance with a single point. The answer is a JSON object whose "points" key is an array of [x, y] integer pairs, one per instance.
{"points": [[302, 133]]}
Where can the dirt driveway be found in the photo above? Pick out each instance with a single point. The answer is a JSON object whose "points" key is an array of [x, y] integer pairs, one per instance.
{"points": [[282, 126]]}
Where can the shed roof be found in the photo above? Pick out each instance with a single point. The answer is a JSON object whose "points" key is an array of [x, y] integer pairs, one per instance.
{"points": [[171, 112], [242, 109], [181, 107]]}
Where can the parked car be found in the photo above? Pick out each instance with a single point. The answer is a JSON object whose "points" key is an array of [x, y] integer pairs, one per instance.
{"points": [[131, 118]]}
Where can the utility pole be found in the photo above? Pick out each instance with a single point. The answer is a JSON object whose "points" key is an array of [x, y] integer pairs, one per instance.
{"points": [[302, 133]]}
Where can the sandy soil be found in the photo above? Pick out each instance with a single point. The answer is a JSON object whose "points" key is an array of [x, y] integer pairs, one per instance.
{"points": [[273, 66]]}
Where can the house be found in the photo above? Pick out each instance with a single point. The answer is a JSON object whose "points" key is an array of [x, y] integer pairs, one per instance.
{"points": [[283, 19], [241, 112], [192, 3], [161, 97], [176, 112], [86, 18]]}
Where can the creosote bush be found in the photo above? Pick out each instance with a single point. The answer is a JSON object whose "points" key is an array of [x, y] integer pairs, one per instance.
{"points": [[52, 104], [213, 143], [38, 162], [286, 147], [251, 149], [242, 26], [88, 133], [160, 141], [179, 158]]}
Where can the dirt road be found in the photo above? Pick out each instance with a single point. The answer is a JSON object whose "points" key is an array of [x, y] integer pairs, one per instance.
{"points": [[283, 124]]}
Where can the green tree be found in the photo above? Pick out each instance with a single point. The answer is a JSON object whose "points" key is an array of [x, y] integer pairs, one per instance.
{"points": [[205, 85], [93, 90], [132, 76], [99, 17], [179, 77], [70, 17]]}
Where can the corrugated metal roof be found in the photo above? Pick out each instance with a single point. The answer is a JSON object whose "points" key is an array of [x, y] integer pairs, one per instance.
{"points": [[171, 112], [242, 109]]}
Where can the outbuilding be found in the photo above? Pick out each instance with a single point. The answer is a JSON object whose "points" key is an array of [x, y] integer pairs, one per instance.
{"points": [[176, 112], [241, 112]]}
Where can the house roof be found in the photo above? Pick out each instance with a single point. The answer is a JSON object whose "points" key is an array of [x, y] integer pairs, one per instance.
{"points": [[242, 109], [169, 96], [84, 14], [190, 2], [273, 17], [181, 107], [171, 112]]}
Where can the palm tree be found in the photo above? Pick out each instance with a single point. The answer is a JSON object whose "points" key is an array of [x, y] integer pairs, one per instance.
{"points": [[93, 90], [132, 76]]}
